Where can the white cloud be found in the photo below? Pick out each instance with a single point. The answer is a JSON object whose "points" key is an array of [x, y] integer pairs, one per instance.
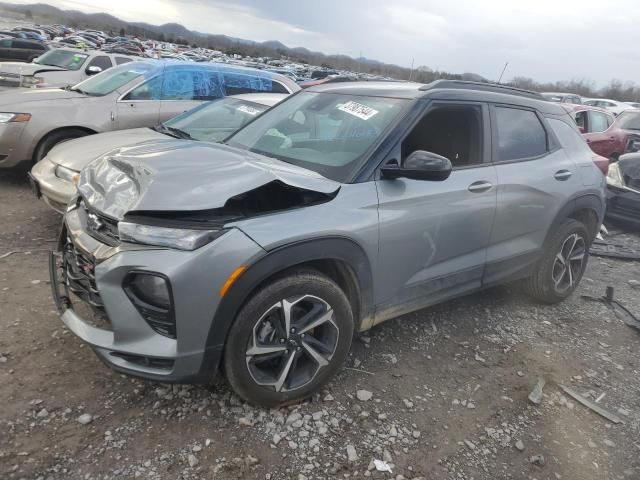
{"points": [[546, 39]]}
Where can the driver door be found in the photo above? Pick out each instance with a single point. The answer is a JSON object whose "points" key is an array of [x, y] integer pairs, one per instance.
{"points": [[434, 234], [140, 107]]}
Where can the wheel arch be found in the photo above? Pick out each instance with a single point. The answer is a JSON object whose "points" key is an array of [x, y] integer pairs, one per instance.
{"points": [[47, 135], [588, 209], [340, 258]]}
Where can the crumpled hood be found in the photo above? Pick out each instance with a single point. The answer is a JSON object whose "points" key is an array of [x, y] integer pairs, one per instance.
{"points": [[21, 97], [22, 68], [77, 154], [182, 175]]}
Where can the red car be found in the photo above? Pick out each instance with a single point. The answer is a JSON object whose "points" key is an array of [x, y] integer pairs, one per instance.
{"points": [[600, 129]]}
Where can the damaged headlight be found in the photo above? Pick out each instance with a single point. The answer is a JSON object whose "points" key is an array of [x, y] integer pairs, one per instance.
{"points": [[67, 174], [614, 176], [179, 238]]}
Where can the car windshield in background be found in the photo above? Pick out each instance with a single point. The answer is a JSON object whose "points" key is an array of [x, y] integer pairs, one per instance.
{"points": [[326, 133], [106, 82], [215, 121], [629, 120], [552, 98], [63, 59]]}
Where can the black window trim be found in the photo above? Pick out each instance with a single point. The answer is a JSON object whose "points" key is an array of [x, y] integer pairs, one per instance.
{"points": [[404, 125], [553, 144]]}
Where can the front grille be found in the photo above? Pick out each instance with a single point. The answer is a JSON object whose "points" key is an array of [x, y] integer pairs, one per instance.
{"points": [[100, 227], [79, 273]]}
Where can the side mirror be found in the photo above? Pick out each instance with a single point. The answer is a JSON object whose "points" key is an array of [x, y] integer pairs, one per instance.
{"points": [[93, 70], [420, 165]]}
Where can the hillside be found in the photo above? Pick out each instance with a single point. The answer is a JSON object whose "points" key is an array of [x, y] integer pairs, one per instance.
{"points": [[174, 32]]}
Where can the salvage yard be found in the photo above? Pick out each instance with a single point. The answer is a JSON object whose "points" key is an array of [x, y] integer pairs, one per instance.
{"points": [[438, 394]]}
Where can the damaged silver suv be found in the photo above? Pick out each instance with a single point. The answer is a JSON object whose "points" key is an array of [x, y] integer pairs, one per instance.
{"points": [[342, 207]]}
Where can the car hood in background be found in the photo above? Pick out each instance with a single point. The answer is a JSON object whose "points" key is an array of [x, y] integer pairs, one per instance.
{"points": [[20, 97], [78, 153], [27, 69], [181, 176]]}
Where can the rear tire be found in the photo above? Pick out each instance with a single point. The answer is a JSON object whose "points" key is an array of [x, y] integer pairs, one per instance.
{"points": [[54, 139], [288, 339], [564, 261]]}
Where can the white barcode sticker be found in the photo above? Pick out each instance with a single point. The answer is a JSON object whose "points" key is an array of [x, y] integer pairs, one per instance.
{"points": [[248, 110], [358, 110]]}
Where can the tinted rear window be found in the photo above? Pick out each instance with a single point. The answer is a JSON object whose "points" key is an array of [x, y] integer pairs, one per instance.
{"points": [[520, 134]]}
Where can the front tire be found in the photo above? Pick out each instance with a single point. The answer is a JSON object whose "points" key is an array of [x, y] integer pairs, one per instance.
{"points": [[288, 339], [564, 261], [54, 139]]}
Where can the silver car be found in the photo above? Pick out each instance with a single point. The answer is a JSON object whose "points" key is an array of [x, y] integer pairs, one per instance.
{"points": [[137, 94], [53, 178], [58, 68], [341, 207]]}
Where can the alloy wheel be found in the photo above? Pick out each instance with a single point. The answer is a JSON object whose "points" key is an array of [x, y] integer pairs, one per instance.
{"points": [[291, 342], [569, 263]]}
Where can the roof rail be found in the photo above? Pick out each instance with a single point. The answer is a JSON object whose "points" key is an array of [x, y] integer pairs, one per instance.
{"points": [[482, 86]]}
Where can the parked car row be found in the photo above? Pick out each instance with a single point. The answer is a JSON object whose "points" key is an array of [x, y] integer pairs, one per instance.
{"points": [[59, 36], [136, 94]]}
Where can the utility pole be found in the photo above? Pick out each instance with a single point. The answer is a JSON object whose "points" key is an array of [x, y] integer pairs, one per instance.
{"points": [[411, 73], [503, 70]]}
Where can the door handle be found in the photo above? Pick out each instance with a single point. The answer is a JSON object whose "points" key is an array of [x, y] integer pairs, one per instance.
{"points": [[562, 175], [480, 186]]}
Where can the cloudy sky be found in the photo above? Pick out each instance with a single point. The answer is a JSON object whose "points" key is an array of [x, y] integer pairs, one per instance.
{"points": [[544, 39]]}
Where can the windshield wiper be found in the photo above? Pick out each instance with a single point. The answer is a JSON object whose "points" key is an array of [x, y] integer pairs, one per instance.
{"points": [[173, 132]]}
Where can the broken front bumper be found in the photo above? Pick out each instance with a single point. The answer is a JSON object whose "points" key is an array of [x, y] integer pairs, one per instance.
{"points": [[84, 270]]}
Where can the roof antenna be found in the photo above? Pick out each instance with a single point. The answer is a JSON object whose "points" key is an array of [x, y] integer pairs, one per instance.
{"points": [[503, 70]]}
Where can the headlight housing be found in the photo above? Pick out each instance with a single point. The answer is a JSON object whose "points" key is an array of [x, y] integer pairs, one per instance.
{"points": [[178, 238], [614, 177], [6, 117], [67, 174], [31, 81]]}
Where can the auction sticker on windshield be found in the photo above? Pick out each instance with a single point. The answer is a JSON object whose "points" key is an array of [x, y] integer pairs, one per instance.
{"points": [[248, 110], [358, 110]]}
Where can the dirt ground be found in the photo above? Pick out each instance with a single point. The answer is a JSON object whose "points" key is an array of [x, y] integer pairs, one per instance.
{"points": [[448, 385]]}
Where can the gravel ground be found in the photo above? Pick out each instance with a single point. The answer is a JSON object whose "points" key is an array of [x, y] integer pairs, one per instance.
{"points": [[438, 394]]}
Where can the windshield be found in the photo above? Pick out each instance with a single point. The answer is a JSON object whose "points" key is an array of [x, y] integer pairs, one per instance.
{"points": [[552, 97], [63, 59], [215, 121], [629, 120], [114, 78], [324, 132]]}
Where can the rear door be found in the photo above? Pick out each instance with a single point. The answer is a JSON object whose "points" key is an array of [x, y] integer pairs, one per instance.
{"points": [[6, 52], [186, 87], [598, 137], [535, 180], [434, 234], [23, 50]]}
